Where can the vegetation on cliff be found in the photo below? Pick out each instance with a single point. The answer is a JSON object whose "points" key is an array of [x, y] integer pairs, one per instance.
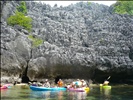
{"points": [[22, 8], [35, 41], [19, 18], [123, 7]]}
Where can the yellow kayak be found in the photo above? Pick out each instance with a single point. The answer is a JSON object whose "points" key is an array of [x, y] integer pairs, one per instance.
{"points": [[87, 89], [105, 86], [23, 86]]}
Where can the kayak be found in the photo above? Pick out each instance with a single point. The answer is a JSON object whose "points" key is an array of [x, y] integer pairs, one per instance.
{"points": [[3, 87], [22, 85], [26, 86], [86, 89], [6, 86], [105, 86], [36, 88]]}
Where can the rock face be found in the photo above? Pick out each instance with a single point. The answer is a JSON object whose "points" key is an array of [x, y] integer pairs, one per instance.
{"points": [[80, 41]]}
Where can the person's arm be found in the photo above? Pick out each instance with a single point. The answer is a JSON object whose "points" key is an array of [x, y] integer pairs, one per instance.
{"points": [[48, 84]]}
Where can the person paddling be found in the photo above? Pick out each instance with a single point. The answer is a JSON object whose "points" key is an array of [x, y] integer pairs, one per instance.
{"points": [[46, 83], [106, 83], [84, 84], [60, 83]]}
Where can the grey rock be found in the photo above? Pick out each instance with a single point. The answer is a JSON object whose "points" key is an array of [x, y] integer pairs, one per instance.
{"points": [[79, 40]]}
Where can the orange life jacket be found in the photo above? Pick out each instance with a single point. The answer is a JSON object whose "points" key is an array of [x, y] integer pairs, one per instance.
{"points": [[60, 83]]}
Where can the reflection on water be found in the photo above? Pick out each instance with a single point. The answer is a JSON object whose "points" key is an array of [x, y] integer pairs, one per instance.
{"points": [[96, 93], [58, 95], [77, 95], [47, 94], [106, 93], [39, 94], [14, 93]]}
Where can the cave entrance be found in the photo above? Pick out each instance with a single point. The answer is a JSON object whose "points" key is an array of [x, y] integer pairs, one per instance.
{"points": [[57, 78], [25, 78]]}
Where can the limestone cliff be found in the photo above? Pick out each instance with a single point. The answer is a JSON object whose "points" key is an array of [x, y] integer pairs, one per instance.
{"points": [[80, 41]]}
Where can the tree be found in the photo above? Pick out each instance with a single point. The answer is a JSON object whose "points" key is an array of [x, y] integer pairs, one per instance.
{"points": [[89, 3], [35, 41], [20, 19], [123, 7], [22, 8]]}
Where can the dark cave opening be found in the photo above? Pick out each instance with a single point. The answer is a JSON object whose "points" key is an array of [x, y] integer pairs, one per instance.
{"points": [[57, 79]]}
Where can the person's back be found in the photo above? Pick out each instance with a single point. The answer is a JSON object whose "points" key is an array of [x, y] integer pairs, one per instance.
{"points": [[60, 83], [78, 83], [46, 83], [84, 84]]}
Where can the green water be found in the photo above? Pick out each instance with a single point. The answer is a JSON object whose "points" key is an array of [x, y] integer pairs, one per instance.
{"points": [[95, 93]]}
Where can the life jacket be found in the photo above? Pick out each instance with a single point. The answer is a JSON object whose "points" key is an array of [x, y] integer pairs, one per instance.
{"points": [[60, 83]]}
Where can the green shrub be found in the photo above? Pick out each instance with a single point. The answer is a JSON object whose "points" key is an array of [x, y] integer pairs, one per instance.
{"points": [[20, 19], [89, 3], [123, 7], [35, 41], [22, 8]]}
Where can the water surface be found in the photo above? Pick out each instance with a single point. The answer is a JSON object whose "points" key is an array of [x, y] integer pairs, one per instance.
{"points": [[95, 93]]}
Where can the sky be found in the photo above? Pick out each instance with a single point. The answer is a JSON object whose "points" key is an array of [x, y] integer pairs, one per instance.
{"points": [[66, 3]]}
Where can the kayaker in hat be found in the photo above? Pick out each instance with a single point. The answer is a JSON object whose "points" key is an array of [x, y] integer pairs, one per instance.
{"points": [[106, 83], [46, 83], [84, 84]]}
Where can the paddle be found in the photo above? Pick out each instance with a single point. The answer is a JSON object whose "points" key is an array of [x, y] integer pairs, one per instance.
{"points": [[108, 78], [105, 81]]}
